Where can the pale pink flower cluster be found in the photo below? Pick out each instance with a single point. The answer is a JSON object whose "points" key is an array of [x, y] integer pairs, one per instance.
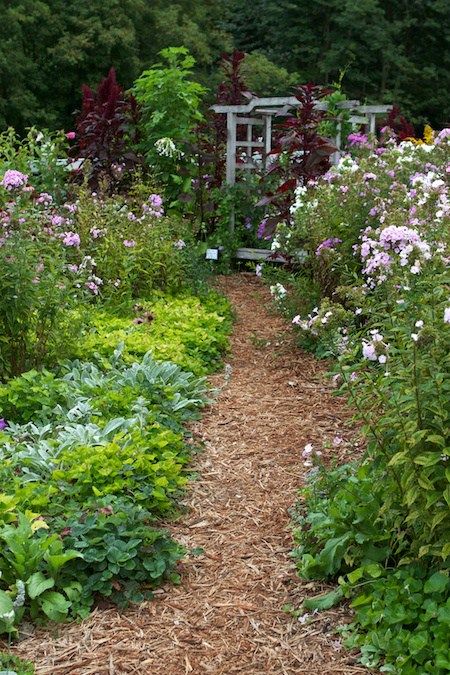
{"points": [[382, 247], [154, 206], [13, 179], [375, 349]]}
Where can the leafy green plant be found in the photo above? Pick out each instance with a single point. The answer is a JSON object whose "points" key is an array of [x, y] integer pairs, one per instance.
{"points": [[30, 567], [32, 396], [186, 330], [123, 558], [144, 465], [170, 110]]}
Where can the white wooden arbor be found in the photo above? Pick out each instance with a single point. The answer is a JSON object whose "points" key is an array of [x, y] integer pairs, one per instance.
{"points": [[259, 112]]}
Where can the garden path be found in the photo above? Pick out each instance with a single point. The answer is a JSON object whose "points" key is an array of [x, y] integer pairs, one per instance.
{"points": [[226, 616]]}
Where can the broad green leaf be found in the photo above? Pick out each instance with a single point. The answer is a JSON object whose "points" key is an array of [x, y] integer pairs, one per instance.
{"points": [[436, 583], [325, 601], [55, 606], [37, 584], [6, 604]]}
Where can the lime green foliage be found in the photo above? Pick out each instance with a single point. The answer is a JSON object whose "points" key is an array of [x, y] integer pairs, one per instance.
{"points": [[143, 465], [13, 664], [31, 393], [101, 451], [186, 330]]}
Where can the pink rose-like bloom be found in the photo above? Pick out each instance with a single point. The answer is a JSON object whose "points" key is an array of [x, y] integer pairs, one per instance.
{"points": [[70, 135], [71, 239], [357, 139], [14, 179], [129, 243]]}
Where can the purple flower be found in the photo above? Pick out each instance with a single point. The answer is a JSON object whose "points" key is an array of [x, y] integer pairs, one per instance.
{"points": [[261, 228], [96, 232], [155, 200], [3, 424], [44, 198], [357, 139], [71, 239], [93, 287], [328, 244], [13, 179], [56, 220], [248, 223], [129, 243]]}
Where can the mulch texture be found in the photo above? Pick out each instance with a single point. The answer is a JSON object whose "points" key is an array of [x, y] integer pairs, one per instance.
{"points": [[227, 614]]}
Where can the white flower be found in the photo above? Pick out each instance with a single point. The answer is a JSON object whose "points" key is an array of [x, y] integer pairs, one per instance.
{"points": [[382, 358], [419, 324], [414, 336], [447, 315]]}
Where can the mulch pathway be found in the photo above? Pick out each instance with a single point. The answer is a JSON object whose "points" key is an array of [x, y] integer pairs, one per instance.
{"points": [[227, 614]]}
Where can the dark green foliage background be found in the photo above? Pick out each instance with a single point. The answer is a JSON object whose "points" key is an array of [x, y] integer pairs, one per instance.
{"points": [[391, 50]]}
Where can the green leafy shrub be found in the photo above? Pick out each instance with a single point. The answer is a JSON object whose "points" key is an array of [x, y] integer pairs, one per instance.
{"points": [[123, 558], [376, 233], [146, 466], [32, 396], [170, 110], [185, 330], [403, 619], [31, 570]]}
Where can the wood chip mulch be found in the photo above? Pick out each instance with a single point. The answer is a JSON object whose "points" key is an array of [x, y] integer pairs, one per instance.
{"points": [[227, 614]]}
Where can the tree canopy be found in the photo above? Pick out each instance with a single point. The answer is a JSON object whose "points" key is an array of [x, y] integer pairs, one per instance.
{"points": [[387, 50]]}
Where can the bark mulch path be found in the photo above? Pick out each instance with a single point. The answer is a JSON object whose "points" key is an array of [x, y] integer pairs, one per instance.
{"points": [[226, 616]]}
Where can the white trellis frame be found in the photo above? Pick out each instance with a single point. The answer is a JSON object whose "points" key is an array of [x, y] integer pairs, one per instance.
{"points": [[260, 112]]}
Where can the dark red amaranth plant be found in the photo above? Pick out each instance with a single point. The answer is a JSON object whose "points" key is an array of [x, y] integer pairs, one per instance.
{"points": [[212, 133], [300, 153], [106, 129], [399, 124]]}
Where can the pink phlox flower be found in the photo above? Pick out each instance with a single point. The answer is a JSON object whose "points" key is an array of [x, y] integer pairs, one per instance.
{"points": [[13, 179], [71, 239]]}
